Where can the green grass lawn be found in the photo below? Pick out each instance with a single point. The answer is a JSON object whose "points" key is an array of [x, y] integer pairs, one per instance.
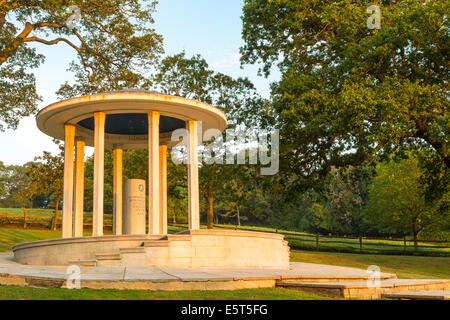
{"points": [[19, 293], [407, 267]]}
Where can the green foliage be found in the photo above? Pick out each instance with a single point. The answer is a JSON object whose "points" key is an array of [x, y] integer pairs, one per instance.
{"points": [[346, 194], [192, 78], [46, 176], [349, 94], [13, 183], [397, 201], [113, 40]]}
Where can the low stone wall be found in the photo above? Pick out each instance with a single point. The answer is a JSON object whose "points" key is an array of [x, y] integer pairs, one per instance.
{"points": [[190, 249], [222, 249], [62, 251]]}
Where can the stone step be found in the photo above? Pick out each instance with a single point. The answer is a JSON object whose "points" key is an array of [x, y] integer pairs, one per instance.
{"points": [[108, 256], [286, 280], [157, 243], [84, 263], [153, 237], [132, 250], [179, 237], [419, 295], [361, 289]]}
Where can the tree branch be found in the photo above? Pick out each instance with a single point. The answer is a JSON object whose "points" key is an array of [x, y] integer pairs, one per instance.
{"points": [[52, 42], [17, 42]]}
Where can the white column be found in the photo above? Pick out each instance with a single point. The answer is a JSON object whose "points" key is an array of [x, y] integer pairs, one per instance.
{"points": [[99, 156], [163, 189], [68, 181], [193, 192], [117, 189], [153, 172], [79, 189]]}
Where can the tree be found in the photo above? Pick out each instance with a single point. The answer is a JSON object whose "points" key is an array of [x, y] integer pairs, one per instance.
{"points": [[345, 196], [208, 187], [240, 194], [135, 166], [113, 40], [396, 199], [177, 192], [13, 182], [349, 94], [191, 78], [46, 178]]}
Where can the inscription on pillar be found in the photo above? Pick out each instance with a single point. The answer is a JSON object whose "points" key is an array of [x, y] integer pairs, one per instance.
{"points": [[134, 206]]}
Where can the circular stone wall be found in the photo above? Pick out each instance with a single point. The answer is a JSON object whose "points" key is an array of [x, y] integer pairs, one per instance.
{"points": [[190, 249]]}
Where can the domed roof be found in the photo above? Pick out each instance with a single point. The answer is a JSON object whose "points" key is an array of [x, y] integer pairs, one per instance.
{"points": [[126, 116]]}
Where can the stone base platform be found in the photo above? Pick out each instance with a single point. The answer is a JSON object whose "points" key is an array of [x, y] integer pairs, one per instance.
{"points": [[189, 249], [360, 289], [159, 278], [419, 295]]}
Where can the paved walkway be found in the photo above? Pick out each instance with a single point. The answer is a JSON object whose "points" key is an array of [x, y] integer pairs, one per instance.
{"points": [[299, 270]]}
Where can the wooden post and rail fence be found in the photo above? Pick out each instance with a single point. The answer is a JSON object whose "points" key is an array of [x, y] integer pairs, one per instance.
{"points": [[297, 240], [43, 217]]}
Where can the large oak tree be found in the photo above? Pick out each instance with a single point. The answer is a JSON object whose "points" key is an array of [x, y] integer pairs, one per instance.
{"points": [[113, 40], [348, 93]]}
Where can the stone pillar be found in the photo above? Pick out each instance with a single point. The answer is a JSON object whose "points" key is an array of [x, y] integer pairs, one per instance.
{"points": [[79, 189], [192, 167], [134, 221], [117, 189], [99, 157], [68, 181], [153, 172], [163, 189]]}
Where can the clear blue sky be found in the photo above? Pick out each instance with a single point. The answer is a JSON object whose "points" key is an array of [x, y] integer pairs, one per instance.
{"points": [[211, 28]]}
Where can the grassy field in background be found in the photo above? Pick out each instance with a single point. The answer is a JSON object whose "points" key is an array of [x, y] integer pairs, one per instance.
{"points": [[297, 240], [9, 237], [305, 241], [19, 212]]}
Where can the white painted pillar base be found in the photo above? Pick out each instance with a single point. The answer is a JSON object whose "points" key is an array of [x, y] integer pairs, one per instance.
{"points": [[68, 181], [163, 189], [99, 158], [192, 168], [153, 172], [118, 190], [79, 189]]}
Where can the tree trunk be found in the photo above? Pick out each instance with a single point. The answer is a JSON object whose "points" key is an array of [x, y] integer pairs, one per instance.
{"points": [[415, 232], [210, 212], [210, 199], [238, 218], [174, 218], [439, 147], [55, 218]]}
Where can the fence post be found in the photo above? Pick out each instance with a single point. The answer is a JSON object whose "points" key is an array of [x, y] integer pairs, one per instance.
{"points": [[404, 244], [360, 244], [317, 242], [24, 218]]}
